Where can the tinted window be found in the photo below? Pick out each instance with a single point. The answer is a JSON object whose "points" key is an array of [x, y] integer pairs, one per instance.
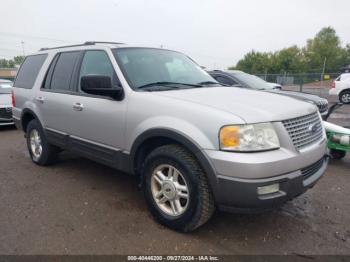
{"points": [[63, 70], [225, 80], [252, 81], [96, 63], [29, 71]]}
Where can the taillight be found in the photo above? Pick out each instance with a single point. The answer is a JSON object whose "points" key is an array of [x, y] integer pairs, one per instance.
{"points": [[13, 98], [333, 84]]}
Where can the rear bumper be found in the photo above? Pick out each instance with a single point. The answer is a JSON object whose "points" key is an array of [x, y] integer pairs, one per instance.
{"points": [[6, 123], [6, 116], [241, 195]]}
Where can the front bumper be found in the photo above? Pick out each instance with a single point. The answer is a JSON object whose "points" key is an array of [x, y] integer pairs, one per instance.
{"points": [[240, 195], [239, 175]]}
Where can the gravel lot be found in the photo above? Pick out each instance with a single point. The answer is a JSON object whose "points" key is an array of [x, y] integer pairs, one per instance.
{"points": [[80, 207]]}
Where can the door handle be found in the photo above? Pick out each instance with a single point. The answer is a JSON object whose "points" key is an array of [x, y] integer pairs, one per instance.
{"points": [[40, 99], [78, 107]]}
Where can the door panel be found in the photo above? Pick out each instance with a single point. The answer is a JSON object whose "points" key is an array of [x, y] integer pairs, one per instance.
{"points": [[98, 119], [54, 100]]}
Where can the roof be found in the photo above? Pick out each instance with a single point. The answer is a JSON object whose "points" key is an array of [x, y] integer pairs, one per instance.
{"points": [[88, 46]]}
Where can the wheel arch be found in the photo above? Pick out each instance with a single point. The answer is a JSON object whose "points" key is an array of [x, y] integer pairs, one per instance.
{"points": [[27, 116], [344, 90], [151, 139]]}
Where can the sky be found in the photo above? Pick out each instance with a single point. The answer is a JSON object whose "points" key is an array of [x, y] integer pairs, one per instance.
{"points": [[215, 33]]}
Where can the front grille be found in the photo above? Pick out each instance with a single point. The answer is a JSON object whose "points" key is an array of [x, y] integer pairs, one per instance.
{"points": [[304, 130], [312, 169], [322, 106], [6, 113]]}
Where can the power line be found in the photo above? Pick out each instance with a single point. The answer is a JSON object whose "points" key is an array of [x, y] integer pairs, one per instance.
{"points": [[34, 37], [6, 56], [11, 50]]}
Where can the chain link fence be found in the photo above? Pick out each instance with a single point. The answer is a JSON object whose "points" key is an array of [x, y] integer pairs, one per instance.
{"points": [[314, 83]]}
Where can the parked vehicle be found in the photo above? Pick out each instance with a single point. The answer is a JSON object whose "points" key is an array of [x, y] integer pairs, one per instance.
{"points": [[341, 88], [241, 79], [5, 102], [154, 113], [338, 136]]}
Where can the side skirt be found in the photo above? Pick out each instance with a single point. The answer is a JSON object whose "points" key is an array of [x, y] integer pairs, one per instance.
{"points": [[102, 154]]}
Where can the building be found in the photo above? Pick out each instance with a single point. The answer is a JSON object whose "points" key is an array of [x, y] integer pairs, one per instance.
{"points": [[8, 73]]}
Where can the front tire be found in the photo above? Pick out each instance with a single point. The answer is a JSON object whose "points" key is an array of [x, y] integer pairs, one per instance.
{"points": [[176, 189], [344, 97], [41, 152]]}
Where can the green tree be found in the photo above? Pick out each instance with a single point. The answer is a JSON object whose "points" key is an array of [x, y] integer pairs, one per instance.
{"points": [[11, 63], [18, 59], [289, 59], [325, 46], [3, 63], [253, 62]]}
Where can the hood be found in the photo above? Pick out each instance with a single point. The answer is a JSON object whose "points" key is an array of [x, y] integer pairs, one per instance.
{"points": [[5, 100], [299, 95], [251, 106]]}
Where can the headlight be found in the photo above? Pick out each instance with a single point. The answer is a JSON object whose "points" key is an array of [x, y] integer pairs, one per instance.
{"points": [[248, 138]]}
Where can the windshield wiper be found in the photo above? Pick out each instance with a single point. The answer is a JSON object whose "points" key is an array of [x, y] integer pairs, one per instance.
{"points": [[168, 84]]}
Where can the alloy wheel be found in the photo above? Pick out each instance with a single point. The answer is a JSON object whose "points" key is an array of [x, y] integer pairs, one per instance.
{"points": [[35, 144], [169, 190]]}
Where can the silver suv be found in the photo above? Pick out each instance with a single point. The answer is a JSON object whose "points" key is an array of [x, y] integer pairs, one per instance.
{"points": [[154, 113]]}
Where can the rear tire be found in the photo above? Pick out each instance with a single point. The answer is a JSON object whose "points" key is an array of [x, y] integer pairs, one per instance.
{"points": [[344, 97], [337, 154], [193, 202], [41, 152]]}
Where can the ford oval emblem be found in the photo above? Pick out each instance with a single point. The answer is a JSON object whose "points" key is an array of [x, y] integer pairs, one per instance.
{"points": [[312, 128]]}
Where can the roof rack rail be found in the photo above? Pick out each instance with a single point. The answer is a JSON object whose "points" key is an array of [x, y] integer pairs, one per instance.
{"points": [[102, 42], [64, 46], [86, 43]]}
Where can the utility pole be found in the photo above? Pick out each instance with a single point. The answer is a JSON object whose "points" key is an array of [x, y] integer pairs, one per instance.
{"points": [[22, 43], [323, 70]]}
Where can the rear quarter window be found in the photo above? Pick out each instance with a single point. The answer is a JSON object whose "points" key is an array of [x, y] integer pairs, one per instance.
{"points": [[29, 71]]}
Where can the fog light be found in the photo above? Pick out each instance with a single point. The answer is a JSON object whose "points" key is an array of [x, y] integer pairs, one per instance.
{"points": [[270, 189]]}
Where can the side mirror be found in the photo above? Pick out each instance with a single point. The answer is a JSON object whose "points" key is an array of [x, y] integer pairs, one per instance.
{"points": [[100, 85]]}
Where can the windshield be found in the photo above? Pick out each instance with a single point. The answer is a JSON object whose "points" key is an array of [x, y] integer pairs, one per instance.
{"points": [[147, 67], [5, 87], [253, 81]]}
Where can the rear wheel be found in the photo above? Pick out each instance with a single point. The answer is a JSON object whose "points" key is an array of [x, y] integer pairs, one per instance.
{"points": [[344, 97], [176, 189], [40, 151]]}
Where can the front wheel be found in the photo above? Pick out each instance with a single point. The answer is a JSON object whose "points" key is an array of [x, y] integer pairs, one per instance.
{"points": [[344, 97], [176, 189]]}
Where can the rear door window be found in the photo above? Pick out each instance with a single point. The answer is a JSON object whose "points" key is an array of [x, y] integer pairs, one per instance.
{"points": [[63, 71], [29, 71]]}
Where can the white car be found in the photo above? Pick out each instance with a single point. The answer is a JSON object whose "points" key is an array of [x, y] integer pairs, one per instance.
{"points": [[341, 88], [6, 102]]}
